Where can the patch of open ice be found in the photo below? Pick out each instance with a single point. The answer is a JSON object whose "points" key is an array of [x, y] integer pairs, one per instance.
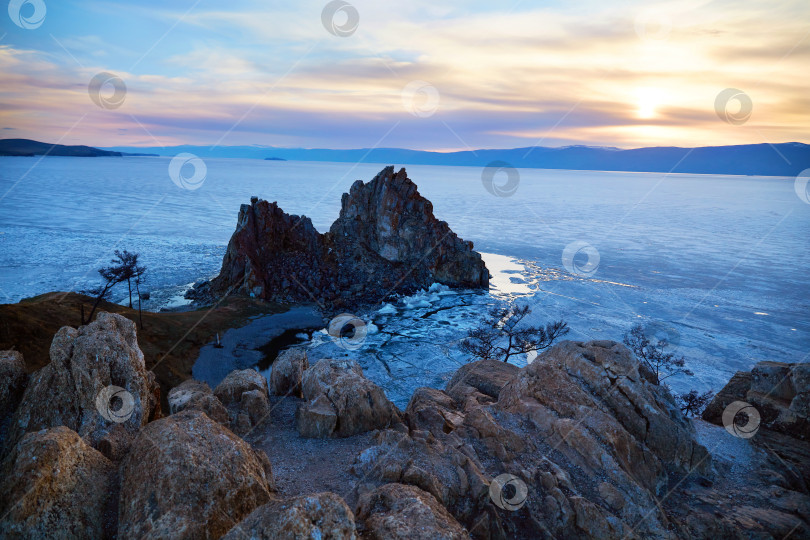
{"points": [[387, 309]]}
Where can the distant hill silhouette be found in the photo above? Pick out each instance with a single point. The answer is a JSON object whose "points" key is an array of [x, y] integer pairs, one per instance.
{"points": [[27, 147], [783, 159]]}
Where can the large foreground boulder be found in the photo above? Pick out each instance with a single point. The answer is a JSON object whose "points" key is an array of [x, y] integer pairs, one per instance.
{"points": [[53, 485], [386, 240], [341, 401], [401, 512], [577, 444], [318, 516], [186, 476], [96, 384]]}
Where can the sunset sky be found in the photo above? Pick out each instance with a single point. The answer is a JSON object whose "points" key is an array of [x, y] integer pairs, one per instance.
{"points": [[429, 75]]}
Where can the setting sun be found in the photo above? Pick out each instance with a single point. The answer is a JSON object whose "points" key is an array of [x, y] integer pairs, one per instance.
{"points": [[648, 100]]}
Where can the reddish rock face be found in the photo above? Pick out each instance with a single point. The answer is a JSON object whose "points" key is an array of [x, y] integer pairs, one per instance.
{"points": [[386, 240]]}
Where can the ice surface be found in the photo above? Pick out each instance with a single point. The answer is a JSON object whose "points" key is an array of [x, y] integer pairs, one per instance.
{"points": [[721, 260]]}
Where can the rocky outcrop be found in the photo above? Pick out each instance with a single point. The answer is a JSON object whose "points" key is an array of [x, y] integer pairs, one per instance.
{"points": [[244, 394], [389, 239], [770, 407], [780, 392], [287, 375], [53, 485], [386, 240], [321, 515], [341, 402], [587, 444], [96, 384], [186, 476], [13, 380], [197, 395], [401, 512]]}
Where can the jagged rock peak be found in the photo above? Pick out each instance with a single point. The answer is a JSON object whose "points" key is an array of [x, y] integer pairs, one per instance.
{"points": [[385, 241]]}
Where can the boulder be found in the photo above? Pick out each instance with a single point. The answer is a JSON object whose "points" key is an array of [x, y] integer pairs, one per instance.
{"points": [[53, 485], [734, 390], [191, 394], [96, 380], [13, 379], [356, 403], [577, 444], [480, 381], [186, 476], [245, 396], [288, 372], [386, 240], [402, 512], [779, 391], [321, 515]]}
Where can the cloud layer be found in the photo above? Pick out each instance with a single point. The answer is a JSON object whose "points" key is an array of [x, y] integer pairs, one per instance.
{"points": [[458, 75]]}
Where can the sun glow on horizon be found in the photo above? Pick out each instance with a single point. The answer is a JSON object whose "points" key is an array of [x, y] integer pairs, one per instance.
{"points": [[648, 100]]}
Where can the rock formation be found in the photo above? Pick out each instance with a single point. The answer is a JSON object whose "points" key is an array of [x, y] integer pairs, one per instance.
{"points": [[779, 391], [13, 380], [187, 476], [401, 512], [53, 485], [244, 394], [593, 441], [288, 372], [341, 401], [96, 384], [321, 515], [197, 395], [777, 395], [386, 240]]}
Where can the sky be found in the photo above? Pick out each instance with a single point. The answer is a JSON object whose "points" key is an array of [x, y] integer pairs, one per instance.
{"points": [[424, 75]]}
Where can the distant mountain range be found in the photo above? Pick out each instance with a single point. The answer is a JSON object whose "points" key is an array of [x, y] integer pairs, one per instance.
{"points": [[783, 159], [28, 148]]}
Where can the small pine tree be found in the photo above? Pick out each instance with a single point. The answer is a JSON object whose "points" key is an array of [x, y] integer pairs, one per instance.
{"points": [[499, 336], [653, 353], [693, 402]]}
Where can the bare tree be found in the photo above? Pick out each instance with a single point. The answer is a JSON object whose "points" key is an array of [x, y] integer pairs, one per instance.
{"points": [[112, 276], [693, 402], [654, 354], [499, 337], [138, 278], [124, 267], [130, 270]]}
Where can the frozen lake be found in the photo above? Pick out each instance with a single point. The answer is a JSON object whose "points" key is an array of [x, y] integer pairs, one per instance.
{"points": [[719, 262]]}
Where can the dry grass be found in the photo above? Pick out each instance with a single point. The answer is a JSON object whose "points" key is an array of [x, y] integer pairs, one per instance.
{"points": [[169, 341]]}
